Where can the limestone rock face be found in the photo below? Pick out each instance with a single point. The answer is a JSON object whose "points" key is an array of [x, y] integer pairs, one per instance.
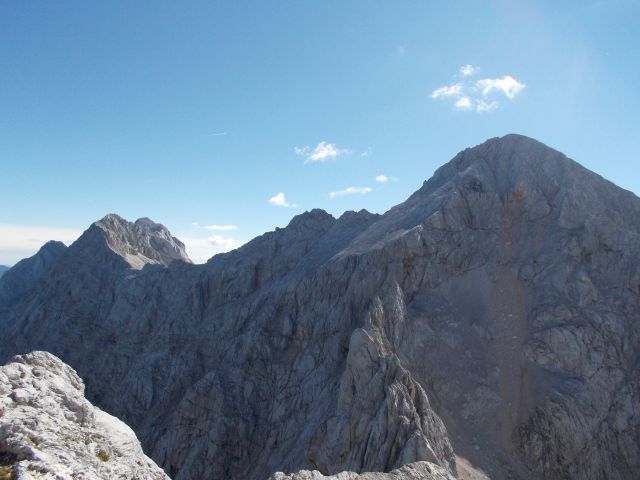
{"points": [[412, 471], [48, 430], [493, 314], [140, 243]]}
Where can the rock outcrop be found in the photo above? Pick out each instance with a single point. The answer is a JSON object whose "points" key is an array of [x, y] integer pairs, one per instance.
{"points": [[495, 313], [48, 430], [412, 471], [140, 243]]}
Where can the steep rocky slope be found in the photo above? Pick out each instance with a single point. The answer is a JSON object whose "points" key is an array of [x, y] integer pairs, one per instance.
{"points": [[18, 280], [494, 313], [48, 430]]}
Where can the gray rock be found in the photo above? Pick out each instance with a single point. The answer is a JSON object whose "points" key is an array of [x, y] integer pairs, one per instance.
{"points": [[16, 281], [494, 314], [140, 243], [412, 471], [48, 430]]}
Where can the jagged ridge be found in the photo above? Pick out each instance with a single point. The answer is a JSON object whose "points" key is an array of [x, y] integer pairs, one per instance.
{"points": [[501, 297]]}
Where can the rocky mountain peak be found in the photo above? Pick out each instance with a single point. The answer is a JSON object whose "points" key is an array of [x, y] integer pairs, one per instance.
{"points": [[504, 159], [514, 172], [52, 247], [351, 217], [17, 280], [316, 219], [138, 243]]}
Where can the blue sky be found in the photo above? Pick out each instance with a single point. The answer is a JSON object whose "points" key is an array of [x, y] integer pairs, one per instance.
{"points": [[202, 112]]}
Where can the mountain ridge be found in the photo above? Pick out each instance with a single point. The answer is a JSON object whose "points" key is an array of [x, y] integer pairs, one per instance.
{"points": [[491, 316]]}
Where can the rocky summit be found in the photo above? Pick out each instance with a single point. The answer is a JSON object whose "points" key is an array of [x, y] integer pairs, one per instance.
{"points": [[486, 327]]}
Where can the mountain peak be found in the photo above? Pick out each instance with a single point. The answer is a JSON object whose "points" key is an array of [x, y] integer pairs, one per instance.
{"points": [[316, 219], [505, 156], [481, 180], [138, 243], [53, 246], [17, 280]]}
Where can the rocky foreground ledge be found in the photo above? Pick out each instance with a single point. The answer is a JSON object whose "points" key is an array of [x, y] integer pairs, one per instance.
{"points": [[49, 430], [412, 471]]}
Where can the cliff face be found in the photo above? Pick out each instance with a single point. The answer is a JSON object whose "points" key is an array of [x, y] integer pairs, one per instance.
{"points": [[494, 313], [48, 430]]}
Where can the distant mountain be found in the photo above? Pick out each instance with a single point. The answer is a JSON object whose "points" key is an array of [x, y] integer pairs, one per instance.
{"points": [[24, 275], [3, 269], [490, 322], [138, 244]]}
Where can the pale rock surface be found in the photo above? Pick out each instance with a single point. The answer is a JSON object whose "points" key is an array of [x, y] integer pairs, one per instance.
{"points": [[412, 471], [48, 430], [495, 313], [139, 243]]}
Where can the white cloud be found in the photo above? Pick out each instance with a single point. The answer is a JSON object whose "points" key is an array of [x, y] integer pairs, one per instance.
{"points": [[221, 228], [482, 106], [323, 152], [22, 241], [279, 200], [507, 85], [468, 70], [349, 191], [217, 134], [202, 249], [464, 103], [223, 243], [384, 178], [479, 95], [302, 151], [447, 91]]}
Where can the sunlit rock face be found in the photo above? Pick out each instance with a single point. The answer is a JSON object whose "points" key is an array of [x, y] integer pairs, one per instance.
{"points": [[411, 471], [48, 430], [493, 314], [140, 243]]}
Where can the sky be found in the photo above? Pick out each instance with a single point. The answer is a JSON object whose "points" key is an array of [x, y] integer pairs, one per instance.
{"points": [[223, 120]]}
